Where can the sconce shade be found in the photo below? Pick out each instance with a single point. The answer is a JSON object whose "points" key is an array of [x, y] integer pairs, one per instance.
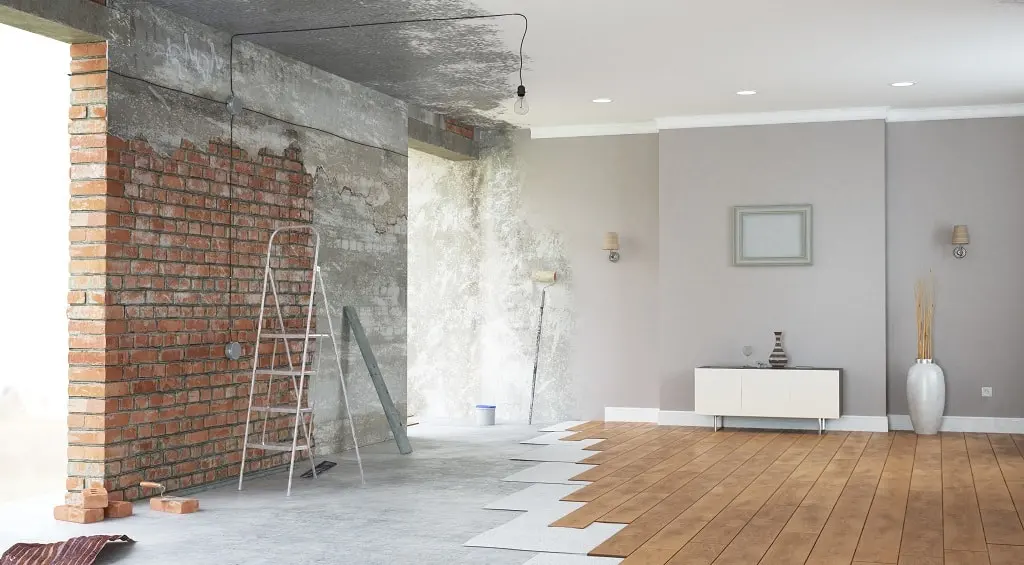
{"points": [[611, 241], [960, 235]]}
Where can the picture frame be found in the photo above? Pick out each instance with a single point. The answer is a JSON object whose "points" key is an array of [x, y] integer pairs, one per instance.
{"points": [[779, 235]]}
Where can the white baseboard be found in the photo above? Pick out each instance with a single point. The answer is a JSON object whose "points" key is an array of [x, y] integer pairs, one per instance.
{"points": [[629, 414], [844, 423], [894, 422], [688, 418], [965, 424]]}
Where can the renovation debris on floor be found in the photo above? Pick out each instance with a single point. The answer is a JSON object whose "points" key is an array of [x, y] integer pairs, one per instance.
{"points": [[76, 551], [434, 496]]}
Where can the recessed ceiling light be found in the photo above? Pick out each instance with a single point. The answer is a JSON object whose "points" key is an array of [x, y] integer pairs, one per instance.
{"points": [[747, 92], [601, 100], [903, 83]]}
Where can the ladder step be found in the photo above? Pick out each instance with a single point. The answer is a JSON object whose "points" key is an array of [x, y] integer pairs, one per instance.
{"points": [[280, 409], [292, 336], [285, 372], [276, 446]]}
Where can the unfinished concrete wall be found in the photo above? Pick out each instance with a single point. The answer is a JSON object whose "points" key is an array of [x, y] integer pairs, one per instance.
{"points": [[154, 126]]}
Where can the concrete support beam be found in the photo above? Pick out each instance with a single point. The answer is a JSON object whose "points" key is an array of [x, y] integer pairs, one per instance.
{"points": [[70, 21], [438, 135]]}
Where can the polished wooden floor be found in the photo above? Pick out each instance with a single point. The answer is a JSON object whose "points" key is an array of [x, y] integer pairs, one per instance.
{"points": [[692, 496]]}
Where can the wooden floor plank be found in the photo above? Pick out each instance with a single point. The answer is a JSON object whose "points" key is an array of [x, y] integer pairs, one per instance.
{"points": [[741, 510], [961, 517], [922, 526], [598, 507], [625, 442], [587, 425], [631, 441], [998, 515], [693, 520], [838, 540], [602, 431], [883, 530], [635, 507], [755, 539], [796, 540], [1011, 464], [1005, 554], [690, 496], [685, 449], [627, 540]]}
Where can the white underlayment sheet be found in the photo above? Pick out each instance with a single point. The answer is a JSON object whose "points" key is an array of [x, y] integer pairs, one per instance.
{"points": [[541, 505], [566, 452], [557, 473], [563, 426]]}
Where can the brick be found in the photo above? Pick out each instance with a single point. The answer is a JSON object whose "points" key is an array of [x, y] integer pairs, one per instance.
{"points": [[174, 505], [97, 49], [94, 498], [77, 515], [88, 65], [118, 509], [90, 80]]}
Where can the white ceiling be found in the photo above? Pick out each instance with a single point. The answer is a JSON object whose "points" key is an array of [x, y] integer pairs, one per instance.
{"points": [[663, 58]]}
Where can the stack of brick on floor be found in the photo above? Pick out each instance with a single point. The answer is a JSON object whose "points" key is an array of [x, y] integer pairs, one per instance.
{"points": [[94, 506]]}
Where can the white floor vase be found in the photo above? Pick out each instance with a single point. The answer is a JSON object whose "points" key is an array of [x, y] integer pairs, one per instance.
{"points": [[926, 395]]}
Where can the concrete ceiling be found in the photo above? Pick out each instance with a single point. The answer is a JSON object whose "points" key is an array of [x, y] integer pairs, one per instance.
{"points": [[655, 58]]}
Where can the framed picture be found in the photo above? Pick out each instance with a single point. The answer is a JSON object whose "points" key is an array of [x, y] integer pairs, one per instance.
{"points": [[772, 235]]}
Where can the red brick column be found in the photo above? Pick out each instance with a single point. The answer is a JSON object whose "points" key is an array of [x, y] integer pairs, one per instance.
{"points": [[96, 239]]}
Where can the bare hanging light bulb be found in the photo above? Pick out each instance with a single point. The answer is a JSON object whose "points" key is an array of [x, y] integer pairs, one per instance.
{"points": [[521, 107]]}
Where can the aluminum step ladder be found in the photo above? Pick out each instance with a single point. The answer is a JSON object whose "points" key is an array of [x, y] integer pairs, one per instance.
{"points": [[298, 371]]}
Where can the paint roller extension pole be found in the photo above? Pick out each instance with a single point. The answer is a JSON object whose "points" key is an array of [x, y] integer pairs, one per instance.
{"points": [[549, 277]]}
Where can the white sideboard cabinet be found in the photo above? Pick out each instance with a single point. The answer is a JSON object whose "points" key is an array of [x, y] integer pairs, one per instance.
{"points": [[767, 393]]}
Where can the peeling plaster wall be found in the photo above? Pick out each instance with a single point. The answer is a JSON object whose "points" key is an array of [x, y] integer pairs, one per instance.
{"points": [[473, 306], [478, 232], [359, 185], [444, 286]]}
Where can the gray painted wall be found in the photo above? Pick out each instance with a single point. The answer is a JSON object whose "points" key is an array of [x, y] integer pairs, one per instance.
{"points": [[832, 313], [479, 230], [959, 172], [582, 188]]}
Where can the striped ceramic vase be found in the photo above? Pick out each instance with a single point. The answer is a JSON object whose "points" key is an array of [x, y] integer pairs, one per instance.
{"points": [[778, 358]]}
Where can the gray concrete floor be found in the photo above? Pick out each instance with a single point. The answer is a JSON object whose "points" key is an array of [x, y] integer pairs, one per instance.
{"points": [[416, 509]]}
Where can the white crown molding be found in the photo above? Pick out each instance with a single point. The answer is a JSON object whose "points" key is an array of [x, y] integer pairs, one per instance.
{"points": [[593, 130], [791, 117], [766, 118], [955, 113]]}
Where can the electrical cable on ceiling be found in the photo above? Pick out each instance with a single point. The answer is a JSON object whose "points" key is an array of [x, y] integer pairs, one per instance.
{"points": [[235, 106]]}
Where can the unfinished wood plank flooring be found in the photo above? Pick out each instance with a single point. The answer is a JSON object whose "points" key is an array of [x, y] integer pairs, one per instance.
{"points": [[695, 497]]}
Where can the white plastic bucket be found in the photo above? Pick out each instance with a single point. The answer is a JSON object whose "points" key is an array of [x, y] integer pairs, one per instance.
{"points": [[485, 414]]}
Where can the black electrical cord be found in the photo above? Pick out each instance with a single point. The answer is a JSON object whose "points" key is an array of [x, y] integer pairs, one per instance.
{"points": [[521, 91]]}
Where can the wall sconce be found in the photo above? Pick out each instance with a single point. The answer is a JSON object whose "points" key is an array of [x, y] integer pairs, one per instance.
{"points": [[960, 239], [611, 245]]}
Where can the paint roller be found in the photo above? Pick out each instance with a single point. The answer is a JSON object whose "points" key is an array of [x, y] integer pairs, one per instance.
{"points": [[547, 278]]}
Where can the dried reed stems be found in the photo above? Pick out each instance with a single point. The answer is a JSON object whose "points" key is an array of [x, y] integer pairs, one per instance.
{"points": [[924, 298]]}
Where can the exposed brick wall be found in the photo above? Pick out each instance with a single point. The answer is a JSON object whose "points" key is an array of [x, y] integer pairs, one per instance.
{"points": [[167, 267]]}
